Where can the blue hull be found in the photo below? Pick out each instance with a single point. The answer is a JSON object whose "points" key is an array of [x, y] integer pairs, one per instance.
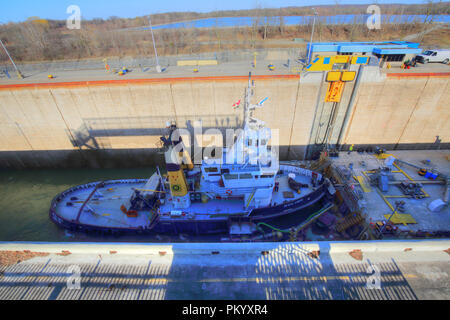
{"points": [[301, 208]]}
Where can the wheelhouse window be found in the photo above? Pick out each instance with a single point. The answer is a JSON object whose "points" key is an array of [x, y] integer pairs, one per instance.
{"points": [[395, 57], [211, 169], [231, 176], [245, 176], [391, 57]]}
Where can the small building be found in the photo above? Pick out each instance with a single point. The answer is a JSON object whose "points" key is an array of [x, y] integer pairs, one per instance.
{"points": [[394, 52]]}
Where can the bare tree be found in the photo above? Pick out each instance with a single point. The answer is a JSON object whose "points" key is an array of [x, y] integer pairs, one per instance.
{"points": [[429, 11], [216, 31], [282, 25]]}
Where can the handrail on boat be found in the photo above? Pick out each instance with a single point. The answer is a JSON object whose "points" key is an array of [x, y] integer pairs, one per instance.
{"points": [[250, 199], [301, 226], [87, 200], [148, 190]]}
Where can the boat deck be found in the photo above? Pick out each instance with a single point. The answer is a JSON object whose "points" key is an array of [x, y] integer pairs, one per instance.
{"points": [[103, 211], [278, 197], [215, 208], [103, 208]]}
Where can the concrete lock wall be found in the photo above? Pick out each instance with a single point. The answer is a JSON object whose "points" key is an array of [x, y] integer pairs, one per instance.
{"points": [[402, 113], [118, 123]]}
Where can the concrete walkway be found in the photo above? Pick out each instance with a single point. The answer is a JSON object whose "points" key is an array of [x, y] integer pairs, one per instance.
{"points": [[223, 69], [387, 270]]}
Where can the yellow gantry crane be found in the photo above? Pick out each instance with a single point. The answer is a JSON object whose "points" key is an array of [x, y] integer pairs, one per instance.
{"points": [[338, 73]]}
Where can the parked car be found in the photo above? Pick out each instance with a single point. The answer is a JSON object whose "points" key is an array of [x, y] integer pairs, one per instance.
{"points": [[434, 56]]}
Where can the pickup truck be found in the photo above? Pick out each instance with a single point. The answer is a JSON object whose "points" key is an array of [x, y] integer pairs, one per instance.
{"points": [[434, 56]]}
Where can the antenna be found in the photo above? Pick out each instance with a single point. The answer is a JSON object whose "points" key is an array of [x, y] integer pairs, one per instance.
{"points": [[308, 58], [248, 94], [249, 120]]}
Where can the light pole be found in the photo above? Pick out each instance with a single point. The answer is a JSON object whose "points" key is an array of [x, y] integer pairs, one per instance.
{"points": [[158, 67], [312, 34], [12, 61]]}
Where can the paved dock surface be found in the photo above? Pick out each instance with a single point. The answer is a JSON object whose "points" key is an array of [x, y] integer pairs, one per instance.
{"points": [[227, 69], [375, 208], [222, 69], [389, 270]]}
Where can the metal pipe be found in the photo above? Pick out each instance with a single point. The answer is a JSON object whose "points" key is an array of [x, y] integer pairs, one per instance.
{"points": [[12, 61], [338, 185], [349, 110], [312, 34], [331, 123], [160, 178], [407, 176], [158, 67], [148, 190], [273, 234], [319, 94]]}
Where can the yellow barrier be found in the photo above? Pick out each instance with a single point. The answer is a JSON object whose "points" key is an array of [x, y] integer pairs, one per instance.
{"points": [[334, 91], [333, 76], [348, 76], [325, 63], [366, 188], [196, 63]]}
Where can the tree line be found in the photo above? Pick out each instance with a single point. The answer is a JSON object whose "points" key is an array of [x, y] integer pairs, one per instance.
{"points": [[40, 40]]}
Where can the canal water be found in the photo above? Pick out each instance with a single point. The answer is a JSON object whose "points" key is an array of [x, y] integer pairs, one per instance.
{"points": [[223, 22], [25, 197]]}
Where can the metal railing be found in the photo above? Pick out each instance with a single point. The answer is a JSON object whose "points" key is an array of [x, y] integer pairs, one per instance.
{"points": [[146, 64]]}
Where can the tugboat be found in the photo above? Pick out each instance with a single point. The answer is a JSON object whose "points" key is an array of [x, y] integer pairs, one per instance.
{"points": [[245, 183]]}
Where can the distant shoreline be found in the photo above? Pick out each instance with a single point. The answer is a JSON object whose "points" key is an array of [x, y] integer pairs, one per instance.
{"points": [[157, 26]]}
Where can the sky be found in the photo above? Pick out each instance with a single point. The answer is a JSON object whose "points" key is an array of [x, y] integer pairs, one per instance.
{"points": [[20, 10]]}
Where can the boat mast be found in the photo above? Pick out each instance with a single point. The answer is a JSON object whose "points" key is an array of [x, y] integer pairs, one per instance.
{"points": [[248, 107], [249, 121]]}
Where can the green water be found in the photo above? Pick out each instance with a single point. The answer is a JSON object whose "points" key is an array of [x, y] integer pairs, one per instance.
{"points": [[25, 198]]}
